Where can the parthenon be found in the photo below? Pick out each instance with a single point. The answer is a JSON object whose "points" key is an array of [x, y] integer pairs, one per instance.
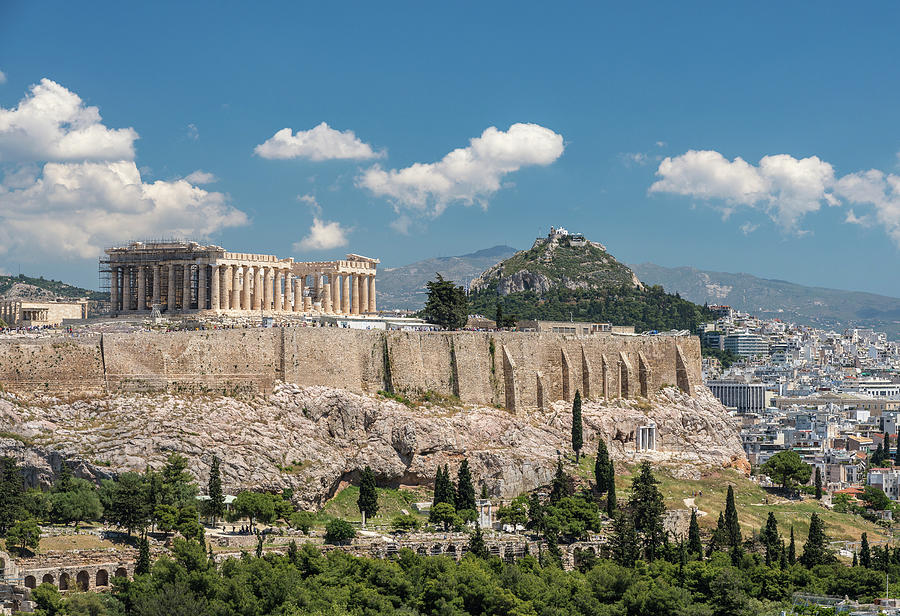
{"points": [[183, 276]]}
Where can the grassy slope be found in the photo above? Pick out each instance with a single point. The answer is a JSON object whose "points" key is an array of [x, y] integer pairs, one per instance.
{"points": [[751, 503], [390, 502]]}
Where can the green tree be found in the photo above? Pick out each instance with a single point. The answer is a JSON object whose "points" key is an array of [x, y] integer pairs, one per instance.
{"points": [[128, 506], [611, 502], [142, 566], [368, 495], [12, 490], [535, 514], [465, 488], [554, 554], [647, 508], [571, 518], [577, 428], [216, 502], [875, 498], [255, 506], [792, 549], [623, 543], [770, 539], [178, 487], [443, 513], [818, 483], [787, 468], [877, 458], [694, 545], [24, 534], [562, 486], [447, 305], [732, 525], [47, 600], [76, 501], [865, 556], [339, 531], [815, 550], [887, 446], [600, 464], [405, 522], [516, 513], [303, 521], [477, 546]]}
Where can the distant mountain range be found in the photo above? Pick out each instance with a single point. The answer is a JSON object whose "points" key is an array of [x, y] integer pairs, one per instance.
{"points": [[404, 287], [766, 298]]}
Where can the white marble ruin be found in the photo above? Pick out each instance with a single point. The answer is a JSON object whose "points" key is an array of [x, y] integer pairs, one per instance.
{"points": [[182, 277]]}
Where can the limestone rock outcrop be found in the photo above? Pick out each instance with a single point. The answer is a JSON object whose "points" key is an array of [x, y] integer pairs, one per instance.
{"points": [[312, 439]]}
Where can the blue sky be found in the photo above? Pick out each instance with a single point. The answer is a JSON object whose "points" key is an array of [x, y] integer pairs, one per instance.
{"points": [[624, 123]]}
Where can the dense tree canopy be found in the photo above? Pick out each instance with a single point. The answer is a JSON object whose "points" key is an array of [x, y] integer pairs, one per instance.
{"points": [[446, 305]]}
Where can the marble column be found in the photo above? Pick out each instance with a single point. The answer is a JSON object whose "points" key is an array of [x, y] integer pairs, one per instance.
{"points": [[141, 288], [201, 286], [224, 287], [307, 303], [317, 287], [170, 293], [354, 309], [364, 294], [267, 294], [235, 287], [186, 288], [345, 293], [326, 297], [113, 289], [126, 288], [372, 294], [156, 286], [214, 294], [257, 288], [288, 289], [298, 294], [245, 287], [279, 296], [335, 293]]}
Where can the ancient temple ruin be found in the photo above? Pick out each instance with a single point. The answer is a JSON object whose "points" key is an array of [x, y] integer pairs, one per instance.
{"points": [[180, 276]]}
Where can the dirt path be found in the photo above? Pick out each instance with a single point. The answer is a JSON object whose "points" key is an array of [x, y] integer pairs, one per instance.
{"points": [[689, 503]]}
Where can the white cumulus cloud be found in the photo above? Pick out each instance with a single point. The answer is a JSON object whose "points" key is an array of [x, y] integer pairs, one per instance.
{"points": [[201, 177], [319, 143], [53, 124], [77, 209], [786, 188], [323, 235], [470, 174]]}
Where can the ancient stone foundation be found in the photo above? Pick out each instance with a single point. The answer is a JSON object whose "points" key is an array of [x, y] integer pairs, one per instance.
{"points": [[511, 369]]}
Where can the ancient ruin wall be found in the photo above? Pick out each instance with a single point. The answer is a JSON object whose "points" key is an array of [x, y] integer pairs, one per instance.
{"points": [[477, 367]]}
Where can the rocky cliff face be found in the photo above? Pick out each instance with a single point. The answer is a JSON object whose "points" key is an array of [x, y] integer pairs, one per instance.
{"points": [[311, 439]]}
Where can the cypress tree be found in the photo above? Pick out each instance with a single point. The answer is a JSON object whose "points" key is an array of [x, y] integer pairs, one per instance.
{"points": [[865, 556], [818, 483], [259, 545], [694, 545], [484, 491], [449, 489], [719, 537], [368, 495], [577, 429], [623, 543], [611, 503], [792, 549], [216, 497], [600, 464], [815, 550], [562, 484], [293, 554], [465, 489], [770, 539], [855, 561], [887, 446], [554, 554], [878, 456], [142, 566], [647, 507], [782, 561], [477, 546], [732, 526]]}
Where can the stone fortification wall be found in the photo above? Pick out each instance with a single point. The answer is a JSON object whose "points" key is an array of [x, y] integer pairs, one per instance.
{"points": [[511, 369]]}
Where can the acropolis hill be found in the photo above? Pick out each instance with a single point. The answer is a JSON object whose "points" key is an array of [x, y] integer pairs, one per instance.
{"points": [[304, 407]]}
